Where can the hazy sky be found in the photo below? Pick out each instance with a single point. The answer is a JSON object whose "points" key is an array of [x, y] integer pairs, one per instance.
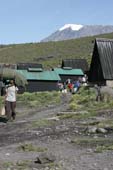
{"points": [[24, 21]]}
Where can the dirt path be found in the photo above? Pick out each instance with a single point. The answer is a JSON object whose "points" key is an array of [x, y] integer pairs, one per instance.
{"points": [[53, 137]]}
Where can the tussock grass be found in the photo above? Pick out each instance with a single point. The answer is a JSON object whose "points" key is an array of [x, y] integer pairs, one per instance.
{"points": [[28, 147], [79, 115], [42, 123], [92, 142], [19, 165], [108, 123], [38, 99], [86, 100], [103, 148]]}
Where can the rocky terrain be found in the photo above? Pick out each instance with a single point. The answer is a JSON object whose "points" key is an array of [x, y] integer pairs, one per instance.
{"points": [[55, 138]]}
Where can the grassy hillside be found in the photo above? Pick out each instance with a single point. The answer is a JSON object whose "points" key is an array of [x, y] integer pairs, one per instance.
{"points": [[50, 54]]}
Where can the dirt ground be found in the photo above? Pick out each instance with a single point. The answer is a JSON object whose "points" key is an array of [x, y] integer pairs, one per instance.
{"points": [[39, 140]]}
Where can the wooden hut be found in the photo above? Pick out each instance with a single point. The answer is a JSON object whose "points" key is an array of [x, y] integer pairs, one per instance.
{"points": [[76, 64], [40, 80], [101, 68], [68, 73], [25, 66]]}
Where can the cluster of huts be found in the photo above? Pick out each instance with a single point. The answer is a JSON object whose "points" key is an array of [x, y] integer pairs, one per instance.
{"points": [[100, 71], [47, 80]]}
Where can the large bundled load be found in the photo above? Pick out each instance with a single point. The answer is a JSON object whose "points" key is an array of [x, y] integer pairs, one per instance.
{"points": [[8, 74]]}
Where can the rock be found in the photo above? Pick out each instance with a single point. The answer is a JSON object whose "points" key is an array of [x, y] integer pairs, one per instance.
{"points": [[96, 130], [91, 129], [101, 130], [53, 118], [95, 137], [45, 158]]}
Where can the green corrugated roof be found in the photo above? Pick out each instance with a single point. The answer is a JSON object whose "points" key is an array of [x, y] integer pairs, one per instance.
{"points": [[45, 75], [61, 71]]}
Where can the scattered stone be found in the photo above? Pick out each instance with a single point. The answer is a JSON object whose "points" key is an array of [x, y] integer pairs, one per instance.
{"points": [[89, 150], [101, 130], [91, 129], [68, 140], [96, 130], [7, 154], [45, 158], [95, 137], [53, 118]]}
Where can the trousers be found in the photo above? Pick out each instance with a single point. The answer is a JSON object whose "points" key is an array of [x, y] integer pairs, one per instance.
{"points": [[10, 109]]}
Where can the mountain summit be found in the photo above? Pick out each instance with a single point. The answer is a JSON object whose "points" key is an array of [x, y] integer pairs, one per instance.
{"points": [[72, 31], [74, 27]]}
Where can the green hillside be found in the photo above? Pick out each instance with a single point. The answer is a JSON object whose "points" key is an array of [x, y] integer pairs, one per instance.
{"points": [[50, 54]]}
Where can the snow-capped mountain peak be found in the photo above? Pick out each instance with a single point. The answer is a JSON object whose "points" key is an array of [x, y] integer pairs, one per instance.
{"points": [[74, 27], [72, 31]]}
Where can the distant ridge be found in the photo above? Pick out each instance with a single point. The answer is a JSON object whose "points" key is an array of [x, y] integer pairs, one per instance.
{"points": [[73, 31]]}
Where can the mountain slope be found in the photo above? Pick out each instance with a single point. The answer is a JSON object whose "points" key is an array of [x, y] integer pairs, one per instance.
{"points": [[72, 31], [50, 54]]}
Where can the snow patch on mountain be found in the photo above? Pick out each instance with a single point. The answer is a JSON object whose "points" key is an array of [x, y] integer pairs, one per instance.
{"points": [[74, 27]]}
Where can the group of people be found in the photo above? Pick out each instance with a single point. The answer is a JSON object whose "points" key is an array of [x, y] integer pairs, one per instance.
{"points": [[72, 85]]}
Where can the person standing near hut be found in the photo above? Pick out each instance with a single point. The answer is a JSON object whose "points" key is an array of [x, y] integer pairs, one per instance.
{"points": [[10, 100], [98, 92]]}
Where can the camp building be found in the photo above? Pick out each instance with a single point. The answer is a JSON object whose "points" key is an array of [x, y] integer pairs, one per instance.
{"points": [[40, 80], [69, 73], [76, 64], [101, 68]]}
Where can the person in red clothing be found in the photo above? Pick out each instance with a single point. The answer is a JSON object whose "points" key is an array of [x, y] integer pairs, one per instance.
{"points": [[70, 86]]}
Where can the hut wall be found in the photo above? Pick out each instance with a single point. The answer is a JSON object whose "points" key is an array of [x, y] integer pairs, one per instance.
{"points": [[95, 73], [34, 86], [109, 83]]}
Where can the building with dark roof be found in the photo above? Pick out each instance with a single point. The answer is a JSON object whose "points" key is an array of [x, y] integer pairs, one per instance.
{"points": [[101, 68], [76, 64], [24, 66]]}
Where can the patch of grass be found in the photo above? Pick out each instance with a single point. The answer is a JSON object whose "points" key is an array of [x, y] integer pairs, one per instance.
{"points": [[86, 100], [89, 142], [38, 99], [79, 115], [106, 123], [74, 106], [7, 164], [82, 99], [42, 123], [30, 147], [53, 166], [22, 164], [67, 116], [103, 148]]}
